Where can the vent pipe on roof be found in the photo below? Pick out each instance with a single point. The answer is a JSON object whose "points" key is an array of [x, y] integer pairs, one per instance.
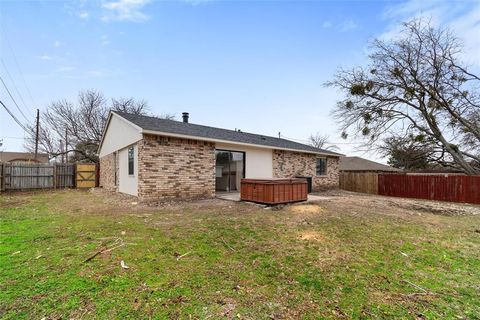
{"points": [[185, 117]]}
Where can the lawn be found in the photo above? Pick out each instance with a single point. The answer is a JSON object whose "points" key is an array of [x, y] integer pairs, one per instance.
{"points": [[353, 256]]}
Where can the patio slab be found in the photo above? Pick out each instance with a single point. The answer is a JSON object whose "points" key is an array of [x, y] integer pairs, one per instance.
{"points": [[231, 196]]}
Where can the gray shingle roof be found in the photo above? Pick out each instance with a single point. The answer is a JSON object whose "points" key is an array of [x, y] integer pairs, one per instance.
{"points": [[190, 129], [361, 164]]}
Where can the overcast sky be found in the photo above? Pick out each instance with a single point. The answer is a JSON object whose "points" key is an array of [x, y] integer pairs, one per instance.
{"points": [[254, 65]]}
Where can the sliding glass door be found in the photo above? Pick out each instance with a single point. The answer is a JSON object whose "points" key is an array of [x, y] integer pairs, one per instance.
{"points": [[229, 170]]}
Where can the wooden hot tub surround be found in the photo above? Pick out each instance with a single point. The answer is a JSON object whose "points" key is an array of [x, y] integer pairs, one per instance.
{"points": [[274, 191]]}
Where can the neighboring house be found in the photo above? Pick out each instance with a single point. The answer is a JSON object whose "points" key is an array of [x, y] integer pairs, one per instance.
{"points": [[156, 159], [357, 164], [23, 157]]}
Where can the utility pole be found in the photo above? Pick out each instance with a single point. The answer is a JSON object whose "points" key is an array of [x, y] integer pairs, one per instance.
{"points": [[66, 145], [62, 151], [36, 134]]}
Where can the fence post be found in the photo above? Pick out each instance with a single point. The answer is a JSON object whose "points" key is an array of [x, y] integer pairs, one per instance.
{"points": [[97, 175], [55, 176], [75, 175], [4, 182], [2, 179]]}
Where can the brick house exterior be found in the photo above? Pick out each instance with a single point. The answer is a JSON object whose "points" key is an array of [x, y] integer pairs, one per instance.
{"points": [[287, 164], [175, 168], [158, 159], [107, 172]]}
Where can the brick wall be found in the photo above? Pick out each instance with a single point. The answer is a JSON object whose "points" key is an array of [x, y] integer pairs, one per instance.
{"points": [[107, 174], [172, 168], [288, 164]]}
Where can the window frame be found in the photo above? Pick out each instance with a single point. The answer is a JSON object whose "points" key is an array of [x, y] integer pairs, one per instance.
{"points": [[131, 160], [325, 168], [229, 151]]}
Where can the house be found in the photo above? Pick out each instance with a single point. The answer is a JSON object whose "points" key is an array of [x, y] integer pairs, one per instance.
{"points": [[156, 159], [23, 157], [357, 164]]}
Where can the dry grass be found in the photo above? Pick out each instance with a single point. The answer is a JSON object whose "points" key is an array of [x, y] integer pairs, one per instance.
{"points": [[353, 256]]}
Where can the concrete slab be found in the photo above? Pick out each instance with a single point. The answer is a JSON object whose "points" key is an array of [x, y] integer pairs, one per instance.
{"points": [[313, 198], [230, 196]]}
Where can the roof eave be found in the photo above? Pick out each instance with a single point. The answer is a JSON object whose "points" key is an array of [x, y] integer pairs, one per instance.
{"points": [[176, 135]]}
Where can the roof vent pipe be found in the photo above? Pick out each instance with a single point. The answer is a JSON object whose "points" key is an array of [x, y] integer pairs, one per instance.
{"points": [[185, 117]]}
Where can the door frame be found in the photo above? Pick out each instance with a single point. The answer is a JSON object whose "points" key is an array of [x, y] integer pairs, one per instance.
{"points": [[244, 165]]}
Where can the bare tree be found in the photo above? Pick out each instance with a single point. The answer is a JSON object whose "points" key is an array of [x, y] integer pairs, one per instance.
{"points": [[415, 85], [320, 141], [409, 153], [83, 123], [130, 105]]}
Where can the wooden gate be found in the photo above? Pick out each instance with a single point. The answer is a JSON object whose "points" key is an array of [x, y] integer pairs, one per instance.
{"points": [[86, 175], [365, 182]]}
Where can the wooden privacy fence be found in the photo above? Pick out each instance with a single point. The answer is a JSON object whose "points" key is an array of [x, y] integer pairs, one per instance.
{"points": [[365, 182], [453, 188], [25, 176]]}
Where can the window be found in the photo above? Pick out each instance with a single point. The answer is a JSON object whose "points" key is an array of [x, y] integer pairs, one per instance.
{"points": [[321, 166], [130, 161]]}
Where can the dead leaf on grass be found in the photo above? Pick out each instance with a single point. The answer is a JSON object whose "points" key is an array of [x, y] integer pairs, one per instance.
{"points": [[181, 256], [228, 308]]}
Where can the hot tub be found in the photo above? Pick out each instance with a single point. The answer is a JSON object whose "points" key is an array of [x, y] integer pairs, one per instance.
{"points": [[274, 191]]}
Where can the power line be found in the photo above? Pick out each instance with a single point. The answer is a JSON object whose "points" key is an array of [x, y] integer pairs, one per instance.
{"points": [[16, 88], [18, 67], [327, 142], [14, 118], [15, 102]]}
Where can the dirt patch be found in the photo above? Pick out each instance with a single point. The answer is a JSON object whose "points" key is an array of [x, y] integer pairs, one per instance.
{"points": [[361, 201], [12, 203], [117, 199], [306, 209], [310, 235], [435, 207]]}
